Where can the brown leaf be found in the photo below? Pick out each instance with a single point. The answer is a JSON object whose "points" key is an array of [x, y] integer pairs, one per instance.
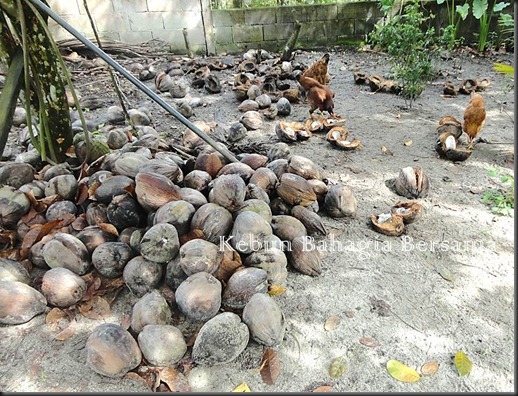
{"points": [[97, 308], [369, 342], [430, 368], [93, 282], [68, 332], [130, 189], [109, 228], [276, 290], [270, 366], [125, 321], [91, 190], [36, 233], [325, 388], [11, 254], [193, 234], [176, 381], [8, 237], [332, 322], [82, 193], [55, 315]]}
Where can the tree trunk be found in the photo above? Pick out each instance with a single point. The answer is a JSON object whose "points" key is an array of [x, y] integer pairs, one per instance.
{"points": [[48, 80]]}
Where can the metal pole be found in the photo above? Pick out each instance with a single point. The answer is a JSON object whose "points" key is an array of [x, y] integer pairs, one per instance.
{"points": [[223, 150]]}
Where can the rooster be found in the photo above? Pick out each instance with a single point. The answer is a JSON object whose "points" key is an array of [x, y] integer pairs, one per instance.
{"points": [[474, 117], [318, 70], [319, 96]]}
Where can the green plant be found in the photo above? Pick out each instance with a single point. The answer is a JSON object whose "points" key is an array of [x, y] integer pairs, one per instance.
{"points": [[456, 13], [506, 36], [411, 47], [501, 198]]}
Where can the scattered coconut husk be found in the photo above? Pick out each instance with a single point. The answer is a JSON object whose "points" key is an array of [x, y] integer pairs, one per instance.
{"points": [[388, 223]]}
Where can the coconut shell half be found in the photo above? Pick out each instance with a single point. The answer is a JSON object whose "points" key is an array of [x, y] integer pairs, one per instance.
{"points": [[388, 224]]}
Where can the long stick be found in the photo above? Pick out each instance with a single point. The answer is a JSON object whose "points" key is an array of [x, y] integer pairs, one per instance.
{"points": [[166, 106]]}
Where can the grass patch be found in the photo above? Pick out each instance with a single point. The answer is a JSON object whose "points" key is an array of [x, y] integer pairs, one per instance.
{"points": [[501, 198]]}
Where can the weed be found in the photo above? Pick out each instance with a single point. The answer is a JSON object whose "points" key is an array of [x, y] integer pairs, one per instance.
{"points": [[501, 198]]}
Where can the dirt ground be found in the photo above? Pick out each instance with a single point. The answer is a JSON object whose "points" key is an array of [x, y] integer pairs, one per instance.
{"points": [[446, 285]]}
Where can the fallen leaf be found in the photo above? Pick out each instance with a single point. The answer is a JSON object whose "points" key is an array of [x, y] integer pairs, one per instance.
{"points": [[408, 143], [446, 274], [337, 367], [270, 366], [109, 228], [430, 368], [136, 377], [82, 193], [332, 322], [55, 315], [97, 308], [93, 187], [325, 388], [176, 381], [385, 150], [68, 332], [276, 290], [125, 321], [462, 363], [243, 387], [402, 372], [369, 342]]}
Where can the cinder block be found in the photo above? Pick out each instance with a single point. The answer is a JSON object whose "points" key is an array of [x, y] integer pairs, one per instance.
{"points": [[133, 37], [326, 12], [291, 14], [169, 5], [312, 30], [342, 28], [358, 10], [223, 35], [64, 7], [97, 7], [142, 21], [110, 36], [280, 31], [112, 23], [260, 16], [128, 6], [228, 17], [182, 19], [243, 33], [175, 36]]}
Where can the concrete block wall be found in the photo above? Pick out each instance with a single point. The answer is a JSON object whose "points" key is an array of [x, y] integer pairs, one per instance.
{"points": [[232, 31], [321, 25], [135, 21]]}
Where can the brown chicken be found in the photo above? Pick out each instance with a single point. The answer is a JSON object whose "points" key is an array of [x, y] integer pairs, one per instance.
{"points": [[319, 96], [474, 117], [318, 70]]}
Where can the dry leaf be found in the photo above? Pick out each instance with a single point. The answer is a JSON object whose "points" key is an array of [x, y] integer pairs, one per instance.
{"points": [[385, 150], [369, 342], [325, 388], [176, 381], [408, 143], [446, 274], [430, 368], [93, 187], [55, 315], [82, 193], [109, 228], [332, 322], [68, 332], [401, 372], [276, 290], [125, 321], [243, 387], [270, 366], [462, 363], [337, 367], [97, 308]]}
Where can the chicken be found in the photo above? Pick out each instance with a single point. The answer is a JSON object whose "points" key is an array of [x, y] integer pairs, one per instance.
{"points": [[474, 117], [319, 96], [318, 70]]}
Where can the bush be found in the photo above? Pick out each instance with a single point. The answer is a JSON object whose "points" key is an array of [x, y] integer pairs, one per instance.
{"points": [[411, 47]]}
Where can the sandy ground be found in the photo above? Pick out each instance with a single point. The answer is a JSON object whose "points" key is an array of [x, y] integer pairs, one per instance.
{"points": [[391, 289]]}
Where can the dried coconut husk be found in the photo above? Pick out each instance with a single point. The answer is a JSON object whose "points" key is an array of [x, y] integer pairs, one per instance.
{"points": [[409, 211], [392, 226]]}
